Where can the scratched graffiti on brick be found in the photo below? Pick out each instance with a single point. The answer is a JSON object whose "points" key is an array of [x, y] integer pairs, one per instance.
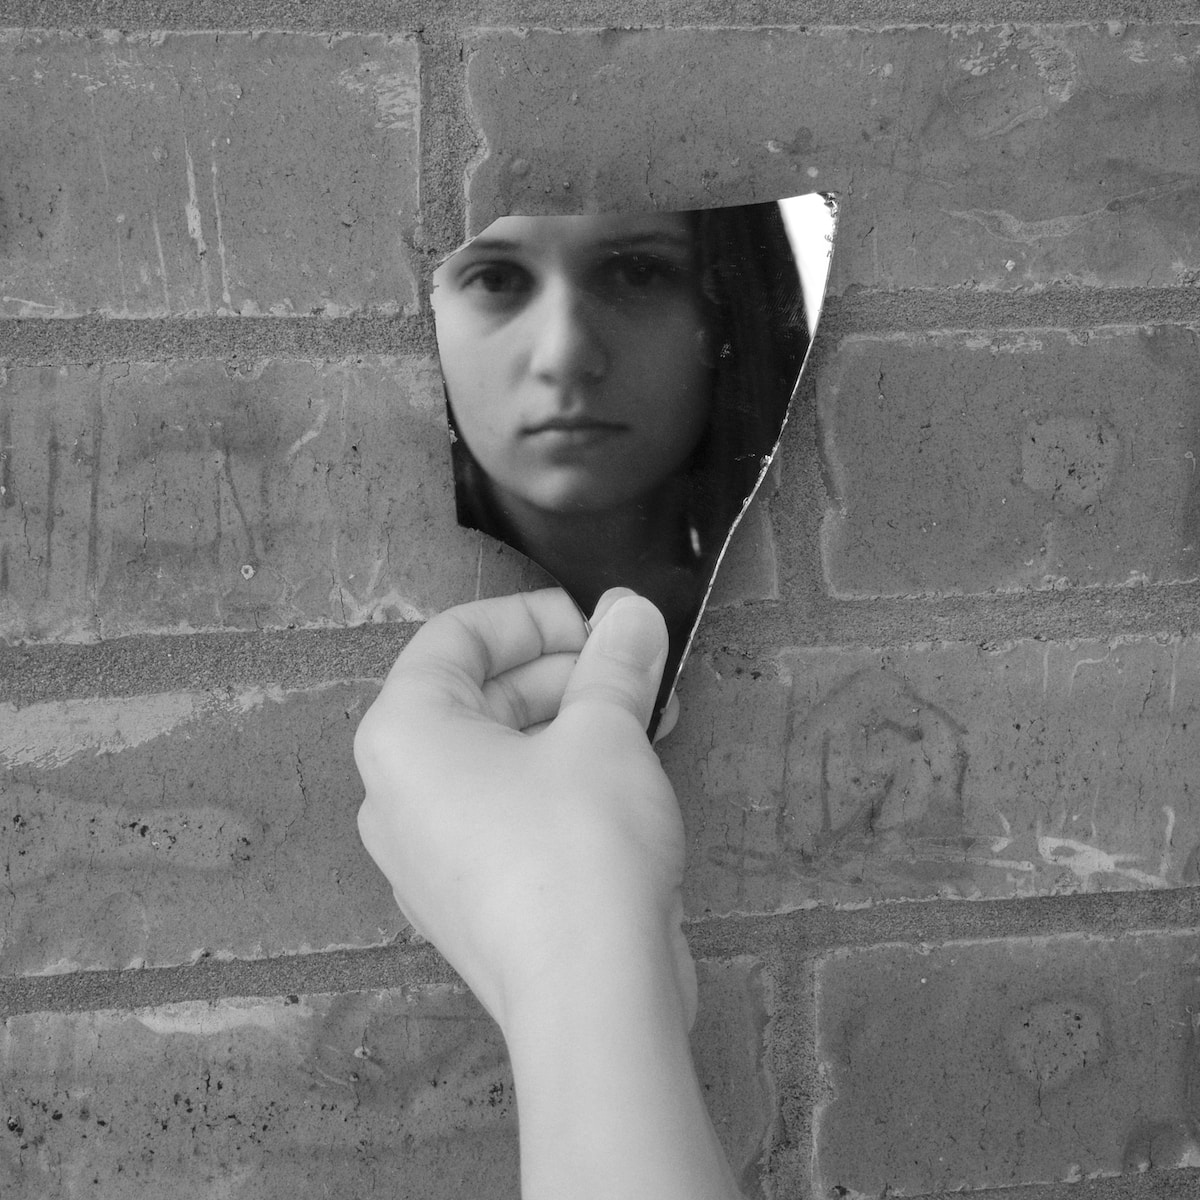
{"points": [[942, 770], [362, 1050], [199, 495], [294, 1095], [872, 777], [397, 1091], [180, 129], [875, 766]]}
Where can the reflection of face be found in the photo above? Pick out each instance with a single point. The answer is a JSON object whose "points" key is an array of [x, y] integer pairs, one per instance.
{"points": [[573, 354]]}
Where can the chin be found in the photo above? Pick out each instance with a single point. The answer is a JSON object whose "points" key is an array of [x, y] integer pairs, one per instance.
{"points": [[576, 501], [568, 493], [575, 505]]}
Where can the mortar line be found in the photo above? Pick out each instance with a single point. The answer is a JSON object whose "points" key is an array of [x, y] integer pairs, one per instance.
{"points": [[814, 932], [1176, 1183], [40, 341], [402, 965], [90, 340], [451, 16], [447, 145], [149, 663], [783, 941]]}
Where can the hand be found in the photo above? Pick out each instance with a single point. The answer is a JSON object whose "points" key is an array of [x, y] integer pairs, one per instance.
{"points": [[527, 829], [502, 845]]}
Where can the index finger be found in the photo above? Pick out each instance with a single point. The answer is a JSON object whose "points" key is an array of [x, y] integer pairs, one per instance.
{"points": [[476, 642]]}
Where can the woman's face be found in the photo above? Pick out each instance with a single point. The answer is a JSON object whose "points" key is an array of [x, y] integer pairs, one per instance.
{"points": [[573, 350]]}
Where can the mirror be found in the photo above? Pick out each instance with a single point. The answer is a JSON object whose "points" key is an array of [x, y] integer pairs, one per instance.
{"points": [[616, 385]]}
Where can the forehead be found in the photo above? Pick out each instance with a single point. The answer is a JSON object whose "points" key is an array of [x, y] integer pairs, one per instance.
{"points": [[575, 234]]}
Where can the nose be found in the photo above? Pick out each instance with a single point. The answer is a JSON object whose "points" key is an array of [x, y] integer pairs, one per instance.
{"points": [[568, 346]]}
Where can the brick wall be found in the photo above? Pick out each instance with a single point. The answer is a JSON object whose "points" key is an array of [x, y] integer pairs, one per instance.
{"points": [[940, 745]]}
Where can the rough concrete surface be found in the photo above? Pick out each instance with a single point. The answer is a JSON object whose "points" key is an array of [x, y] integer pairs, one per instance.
{"points": [[975, 462], [850, 775], [406, 1091], [936, 758], [153, 830], [159, 174], [199, 495], [988, 1064]]}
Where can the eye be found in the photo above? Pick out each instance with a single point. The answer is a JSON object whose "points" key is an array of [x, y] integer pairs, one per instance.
{"points": [[502, 280], [631, 276], [640, 271]]}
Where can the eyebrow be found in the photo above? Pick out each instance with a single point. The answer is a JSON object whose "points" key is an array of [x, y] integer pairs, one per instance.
{"points": [[677, 241], [633, 241]]}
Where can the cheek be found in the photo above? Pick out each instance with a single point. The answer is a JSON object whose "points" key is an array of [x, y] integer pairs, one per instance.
{"points": [[474, 427], [472, 386], [460, 364], [470, 355]]}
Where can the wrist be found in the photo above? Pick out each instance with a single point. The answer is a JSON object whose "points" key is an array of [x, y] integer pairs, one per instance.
{"points": [[607, 965], [607, 1093], [602, 963]]}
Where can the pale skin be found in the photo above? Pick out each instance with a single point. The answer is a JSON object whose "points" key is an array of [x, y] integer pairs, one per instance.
{"points": [[527, 829], [575, 357]]}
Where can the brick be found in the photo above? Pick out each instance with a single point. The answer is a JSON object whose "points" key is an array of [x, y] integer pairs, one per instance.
{"points": [[728, 1043], [337, 1095], [1003, 156], [152, 830], [163, 174], [405, 1091], [849, 775], [1025, 460], [195, 495], [1014, 1061]]}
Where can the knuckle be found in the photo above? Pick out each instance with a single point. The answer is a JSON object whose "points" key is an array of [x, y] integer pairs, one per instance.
{"points": [[365, 737], [368, 822]]}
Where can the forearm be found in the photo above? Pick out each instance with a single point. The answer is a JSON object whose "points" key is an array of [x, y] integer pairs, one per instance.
{"points": [[607, 1096]]}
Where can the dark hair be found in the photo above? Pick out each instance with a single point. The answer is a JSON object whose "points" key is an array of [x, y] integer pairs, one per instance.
{"points": [[758, 337], [750, 281]]}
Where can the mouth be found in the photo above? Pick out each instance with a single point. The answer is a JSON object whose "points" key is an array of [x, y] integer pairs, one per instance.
{"points": [[578, 432]]}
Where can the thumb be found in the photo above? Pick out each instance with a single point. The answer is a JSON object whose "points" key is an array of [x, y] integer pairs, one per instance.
{"points": [[622, 661]]}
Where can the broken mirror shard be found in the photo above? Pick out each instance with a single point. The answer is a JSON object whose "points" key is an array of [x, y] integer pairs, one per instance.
{"points": [[617, 385]]}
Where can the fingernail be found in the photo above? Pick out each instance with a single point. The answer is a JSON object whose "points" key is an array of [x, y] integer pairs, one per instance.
{"points": [[606, 601], [627, 634]]}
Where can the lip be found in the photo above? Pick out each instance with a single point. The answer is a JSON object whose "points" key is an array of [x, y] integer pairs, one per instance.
{"points": [[574, 432]]}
